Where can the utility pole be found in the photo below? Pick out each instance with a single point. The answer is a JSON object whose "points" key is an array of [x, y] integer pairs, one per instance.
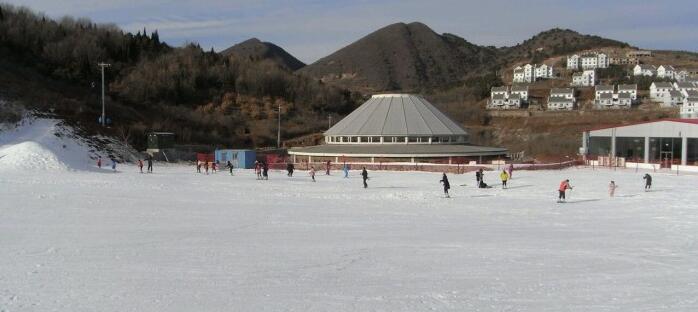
{"points": [[102, 66], [278, 134]]}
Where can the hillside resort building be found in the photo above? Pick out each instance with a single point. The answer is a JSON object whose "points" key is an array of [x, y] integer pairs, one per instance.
{"points": [[508, 98], [593, 60], [532, 73], [586, 78], [681, 94], [561, 99], [396, 128], [608, 97]]}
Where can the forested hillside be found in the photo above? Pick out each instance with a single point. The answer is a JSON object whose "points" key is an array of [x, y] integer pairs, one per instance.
{"points": [[203, 96]]}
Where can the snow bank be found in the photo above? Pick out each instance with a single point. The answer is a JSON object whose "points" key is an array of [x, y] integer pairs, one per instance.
{"points": [[44, 144], [30, 155]]}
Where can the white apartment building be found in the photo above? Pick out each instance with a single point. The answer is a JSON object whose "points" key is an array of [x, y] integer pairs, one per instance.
{"points": [[675, 98], [613, 101], [630, 89], [561, 99], [677, 94], [644, 70], [587, 78], [532, 72], [521, 91], [666, 72], [603, 89], [573, 61], [689, 109], [503, 98], [660, 90], [519, 75], [608, 98], [503, 90], [684, 87], [592, 60]]}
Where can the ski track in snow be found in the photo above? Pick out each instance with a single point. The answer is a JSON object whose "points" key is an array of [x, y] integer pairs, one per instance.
{"points": [[180, 241]]}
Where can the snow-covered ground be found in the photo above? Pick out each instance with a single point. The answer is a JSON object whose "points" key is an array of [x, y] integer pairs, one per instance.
{"points": [[174, 240]]}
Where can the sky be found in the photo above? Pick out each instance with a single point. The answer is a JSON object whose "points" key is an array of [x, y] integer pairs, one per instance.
{"points": [[311, 29]]}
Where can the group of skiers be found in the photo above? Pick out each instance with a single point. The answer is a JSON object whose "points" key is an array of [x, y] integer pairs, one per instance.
{"points": [[506, 174], [206, 165], [149, 160], [113, 163], [262, 172]]}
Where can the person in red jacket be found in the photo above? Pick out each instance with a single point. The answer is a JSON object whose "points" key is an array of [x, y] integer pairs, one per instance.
{"points": [[99, 162], [328, 167], [140, 165], [564, 186]]}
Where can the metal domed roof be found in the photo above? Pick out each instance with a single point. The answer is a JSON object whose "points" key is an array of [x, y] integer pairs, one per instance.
{"points": [[396, 115]]}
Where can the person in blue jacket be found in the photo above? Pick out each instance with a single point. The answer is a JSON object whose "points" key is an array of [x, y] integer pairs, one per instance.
{"points": [[346, 170], [113, 164]]}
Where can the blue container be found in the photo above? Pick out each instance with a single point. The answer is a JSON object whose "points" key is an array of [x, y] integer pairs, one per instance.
{"points": [[240, 158]]}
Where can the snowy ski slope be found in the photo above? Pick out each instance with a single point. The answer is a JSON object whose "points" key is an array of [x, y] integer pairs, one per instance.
{"points": [[179, 241]]}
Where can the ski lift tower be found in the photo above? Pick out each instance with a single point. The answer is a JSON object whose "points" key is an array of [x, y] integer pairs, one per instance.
{"points": [[102, 66]]}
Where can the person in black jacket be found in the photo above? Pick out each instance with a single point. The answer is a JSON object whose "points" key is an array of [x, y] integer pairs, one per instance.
{"points": [[364, 175], [289, 169], [230, 167], [265, 170], [480, 176], [648, 181], [150, 164], [447, 186]]}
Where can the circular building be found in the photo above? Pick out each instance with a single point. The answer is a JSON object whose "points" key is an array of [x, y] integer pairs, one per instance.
{"points": [[396, 128]]}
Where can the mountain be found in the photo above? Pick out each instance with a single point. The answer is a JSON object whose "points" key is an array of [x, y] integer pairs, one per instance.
{"points": [[255, 50], [556, 42], [402, 57], [412, 57]]}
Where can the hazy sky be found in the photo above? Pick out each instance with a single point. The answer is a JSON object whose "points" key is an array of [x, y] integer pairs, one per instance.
{"points": [[310, 29]]}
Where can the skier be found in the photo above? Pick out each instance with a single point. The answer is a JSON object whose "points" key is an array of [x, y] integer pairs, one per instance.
{"points": [[140, 165], [312, 173], [150, 164], [99, 162], [289, 169], [564, 186], [511, 170], [648, 181], [258, 169], [346, 170], [213, 166], [447, 186], [481, 176], [364, 175], [198, 166], [612, 188], [206, 166], [113, 164], [265, 170], [478, 177], [504, 176], [230, 167], [328, 166]]}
